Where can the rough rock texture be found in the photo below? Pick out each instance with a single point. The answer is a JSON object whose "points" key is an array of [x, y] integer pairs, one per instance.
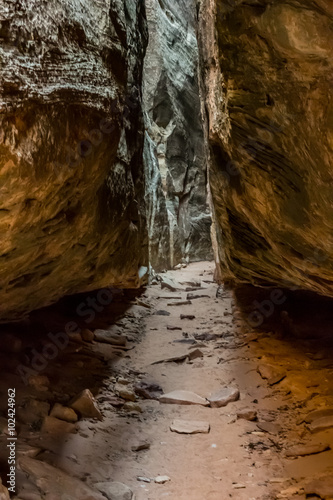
{"points": [[71, 139], [268, 79], [175, 151]]}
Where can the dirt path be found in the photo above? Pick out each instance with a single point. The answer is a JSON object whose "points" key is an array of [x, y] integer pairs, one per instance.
{"points": [[238, 458]]}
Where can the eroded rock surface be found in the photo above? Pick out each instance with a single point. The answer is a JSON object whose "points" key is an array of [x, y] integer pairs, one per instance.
{"points": [[175, 151], [268, 70], [71, 139]]}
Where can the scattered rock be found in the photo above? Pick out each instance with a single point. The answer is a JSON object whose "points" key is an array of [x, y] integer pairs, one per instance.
{"points": [[64, 413], [205, 336], [141, 445], [247, 414], [269, 427], [87, 335], [170, 284], [170, 327], [24, 450], [180, 303], [175, 359], [54, 483], [143, 479], [315, 415], [190, 427], [107, 337], [224, 397], [115, 491], [85, 405], [125, 392], [271, 374], [162, 479], [53, 425], [39, 382], [161, 312], [148, 389], [307, 449], [185, 341], [183, 398], [323, 487], [192, 296], [187, 316], [131, 406], [195, 354], [321, 424]]}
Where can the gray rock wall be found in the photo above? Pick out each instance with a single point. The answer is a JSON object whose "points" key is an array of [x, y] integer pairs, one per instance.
{"points": [[175, 135], [72, 215], [268, 76]]}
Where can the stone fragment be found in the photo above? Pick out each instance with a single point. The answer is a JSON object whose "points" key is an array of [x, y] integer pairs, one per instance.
{"points": [[53, 425], [224, 397], [85, 405], [183, 398], [187, 316], [314, 415], [307, 449], [148, 389], [115, 491], [247, 414], [322, 487], [170, 327], [192, 296], [143, 479], [162, 479], [125, 392], [56, 484], [87, 335], [161, 312], [170, 284], [64, 413], [180, 303], [269, 427], [196, 353], [24, 450], [271, 374], [141, 445], [190, 427], [132, 406], [107, 337], [321, 424]]}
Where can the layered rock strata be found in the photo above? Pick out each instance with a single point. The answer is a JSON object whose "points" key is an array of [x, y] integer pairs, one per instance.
{"points": [[268, 78]]}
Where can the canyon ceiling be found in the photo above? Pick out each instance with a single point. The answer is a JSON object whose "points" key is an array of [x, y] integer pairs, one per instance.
{"points": [[115, 117]]}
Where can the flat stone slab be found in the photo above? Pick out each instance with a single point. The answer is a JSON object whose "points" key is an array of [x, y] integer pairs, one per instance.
{"points": [[115, 491], [183, 398], [86, 405], [224, 397], [247, 414], [307, 449], [54, 483], [190, 427], [314, 415], [321, 424], [161, 479]]}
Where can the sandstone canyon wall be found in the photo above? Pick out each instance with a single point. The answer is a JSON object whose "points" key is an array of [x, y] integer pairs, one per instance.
{"points": [[268, 70], [175, 147], [72, 214]]}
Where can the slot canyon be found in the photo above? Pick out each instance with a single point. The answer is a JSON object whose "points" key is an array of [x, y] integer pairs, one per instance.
{"points": [[166, 250]]}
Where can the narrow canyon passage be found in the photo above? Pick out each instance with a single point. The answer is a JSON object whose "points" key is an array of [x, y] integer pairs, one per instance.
{"points": [[254, 430], [166, 249]]}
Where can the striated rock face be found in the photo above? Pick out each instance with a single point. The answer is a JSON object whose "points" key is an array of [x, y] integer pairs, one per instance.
{"points": [[175, 151], [268, 77], [71, 141]]}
